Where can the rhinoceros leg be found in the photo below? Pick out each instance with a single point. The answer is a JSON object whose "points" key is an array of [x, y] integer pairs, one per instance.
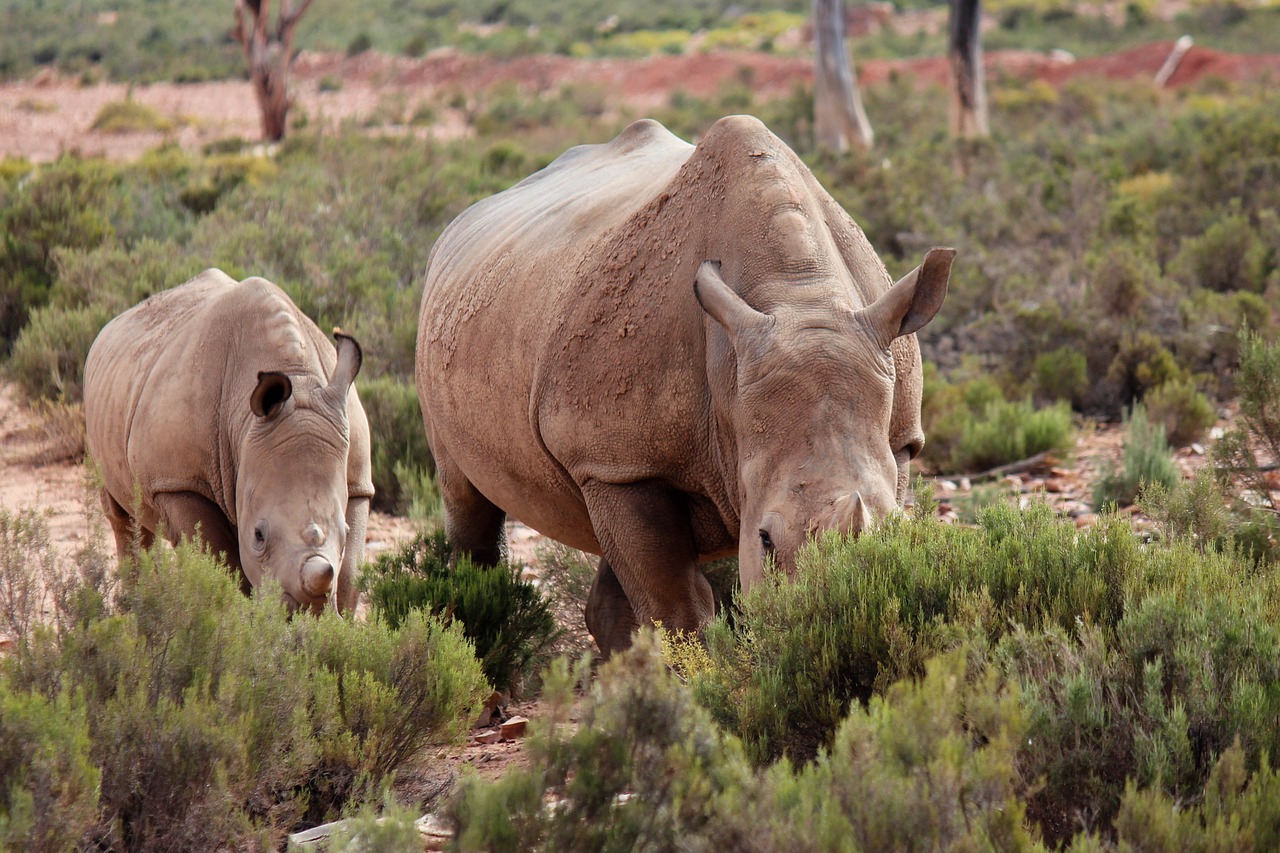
{"points": [[347, 594], [186, 514], [609, 616], [647, 541], [473, 523], [131, 537]]}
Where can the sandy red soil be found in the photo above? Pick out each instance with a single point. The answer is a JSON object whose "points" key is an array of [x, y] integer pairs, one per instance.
{"points": [[46, 116]]}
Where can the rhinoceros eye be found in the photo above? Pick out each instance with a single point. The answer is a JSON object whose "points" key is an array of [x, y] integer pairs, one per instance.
{"points": [[766, 542], [259, 536]]}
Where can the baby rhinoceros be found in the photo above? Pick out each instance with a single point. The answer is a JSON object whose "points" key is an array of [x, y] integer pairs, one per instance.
{"points": [[217, 407]]}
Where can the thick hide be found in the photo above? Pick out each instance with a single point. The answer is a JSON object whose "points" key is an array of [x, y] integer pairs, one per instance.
{"points": [[664, 354], [217, 409]]}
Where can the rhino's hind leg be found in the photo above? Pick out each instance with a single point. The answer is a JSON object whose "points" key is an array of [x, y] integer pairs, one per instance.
{"points": [[186, 515], [647, 541], [609, 615], [473, 523]]}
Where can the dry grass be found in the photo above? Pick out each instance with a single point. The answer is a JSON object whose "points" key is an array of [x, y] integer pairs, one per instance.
{"points": [[58, 433]]}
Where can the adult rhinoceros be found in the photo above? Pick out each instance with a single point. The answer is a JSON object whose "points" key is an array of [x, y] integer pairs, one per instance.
{"points": [[219, 406], [659, 353]]}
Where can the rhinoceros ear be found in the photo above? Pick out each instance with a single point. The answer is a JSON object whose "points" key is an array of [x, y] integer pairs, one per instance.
{"points": [[350, 357], [723, 303], [270, 394], [914, 300]]}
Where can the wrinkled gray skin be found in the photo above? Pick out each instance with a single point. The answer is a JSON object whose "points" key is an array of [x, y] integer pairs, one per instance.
{"points": [[665, 354], [231, 413]]}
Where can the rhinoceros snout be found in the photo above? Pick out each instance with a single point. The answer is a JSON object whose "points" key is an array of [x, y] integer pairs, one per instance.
{"points": [[317, 577]]}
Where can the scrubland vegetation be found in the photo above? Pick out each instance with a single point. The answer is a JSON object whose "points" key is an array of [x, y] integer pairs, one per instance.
{"points": [[131, 40], [1012, 684]]}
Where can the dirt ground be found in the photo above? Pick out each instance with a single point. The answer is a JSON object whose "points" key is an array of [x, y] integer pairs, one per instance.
{"points": [[46, 116]]}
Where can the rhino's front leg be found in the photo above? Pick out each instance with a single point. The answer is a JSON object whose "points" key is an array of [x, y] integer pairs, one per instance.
{"points": [[347, 593], [474, 524], [184, 515], [131, 536], [647, 540]]}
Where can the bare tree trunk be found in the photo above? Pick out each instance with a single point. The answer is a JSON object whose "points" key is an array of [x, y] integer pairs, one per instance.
{"points": [[838, 117], [969, 91], [269, 53]]}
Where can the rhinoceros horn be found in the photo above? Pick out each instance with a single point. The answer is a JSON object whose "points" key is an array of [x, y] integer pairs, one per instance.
{"points": [[724, 305], [350, 358], [914, 300]]}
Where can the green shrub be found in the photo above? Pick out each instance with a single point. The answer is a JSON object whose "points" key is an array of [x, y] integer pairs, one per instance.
{"points": [[130, 116], [65, 204], [1236, 811], [48, 357], [1141, 364], [969, 507], [1007, 432], [396, 420], [1147, 460], [48, 799], [391, 829], [861, 614], [1228, 256], [1184, 412], [1238, 467], [1062, 374], [947, 407], [1194, 509], [930, 766], [218, 721], [27, 567], [359, 44], [1259, 384], [507, 619], [1210, 342]]}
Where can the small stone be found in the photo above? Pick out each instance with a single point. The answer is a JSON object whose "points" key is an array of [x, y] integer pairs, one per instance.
{"points": [[1087, 520], [514, 728], [492, 710], [1197, 448], [1053, 486], [487, 737], [946, 485]]}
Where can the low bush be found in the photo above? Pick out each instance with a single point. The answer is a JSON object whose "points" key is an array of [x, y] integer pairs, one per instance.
{"points": [[506, 617], [1183, 411], [1147, 460], [1062, 374], [130, 116], [67, 204], [939, 687], [49, 796], [48, 357], [60, 428], [1259, 381], [971, 427], [1195, 509], [215, 720], [862, 614], [1230, 255], [1009, 431]]}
